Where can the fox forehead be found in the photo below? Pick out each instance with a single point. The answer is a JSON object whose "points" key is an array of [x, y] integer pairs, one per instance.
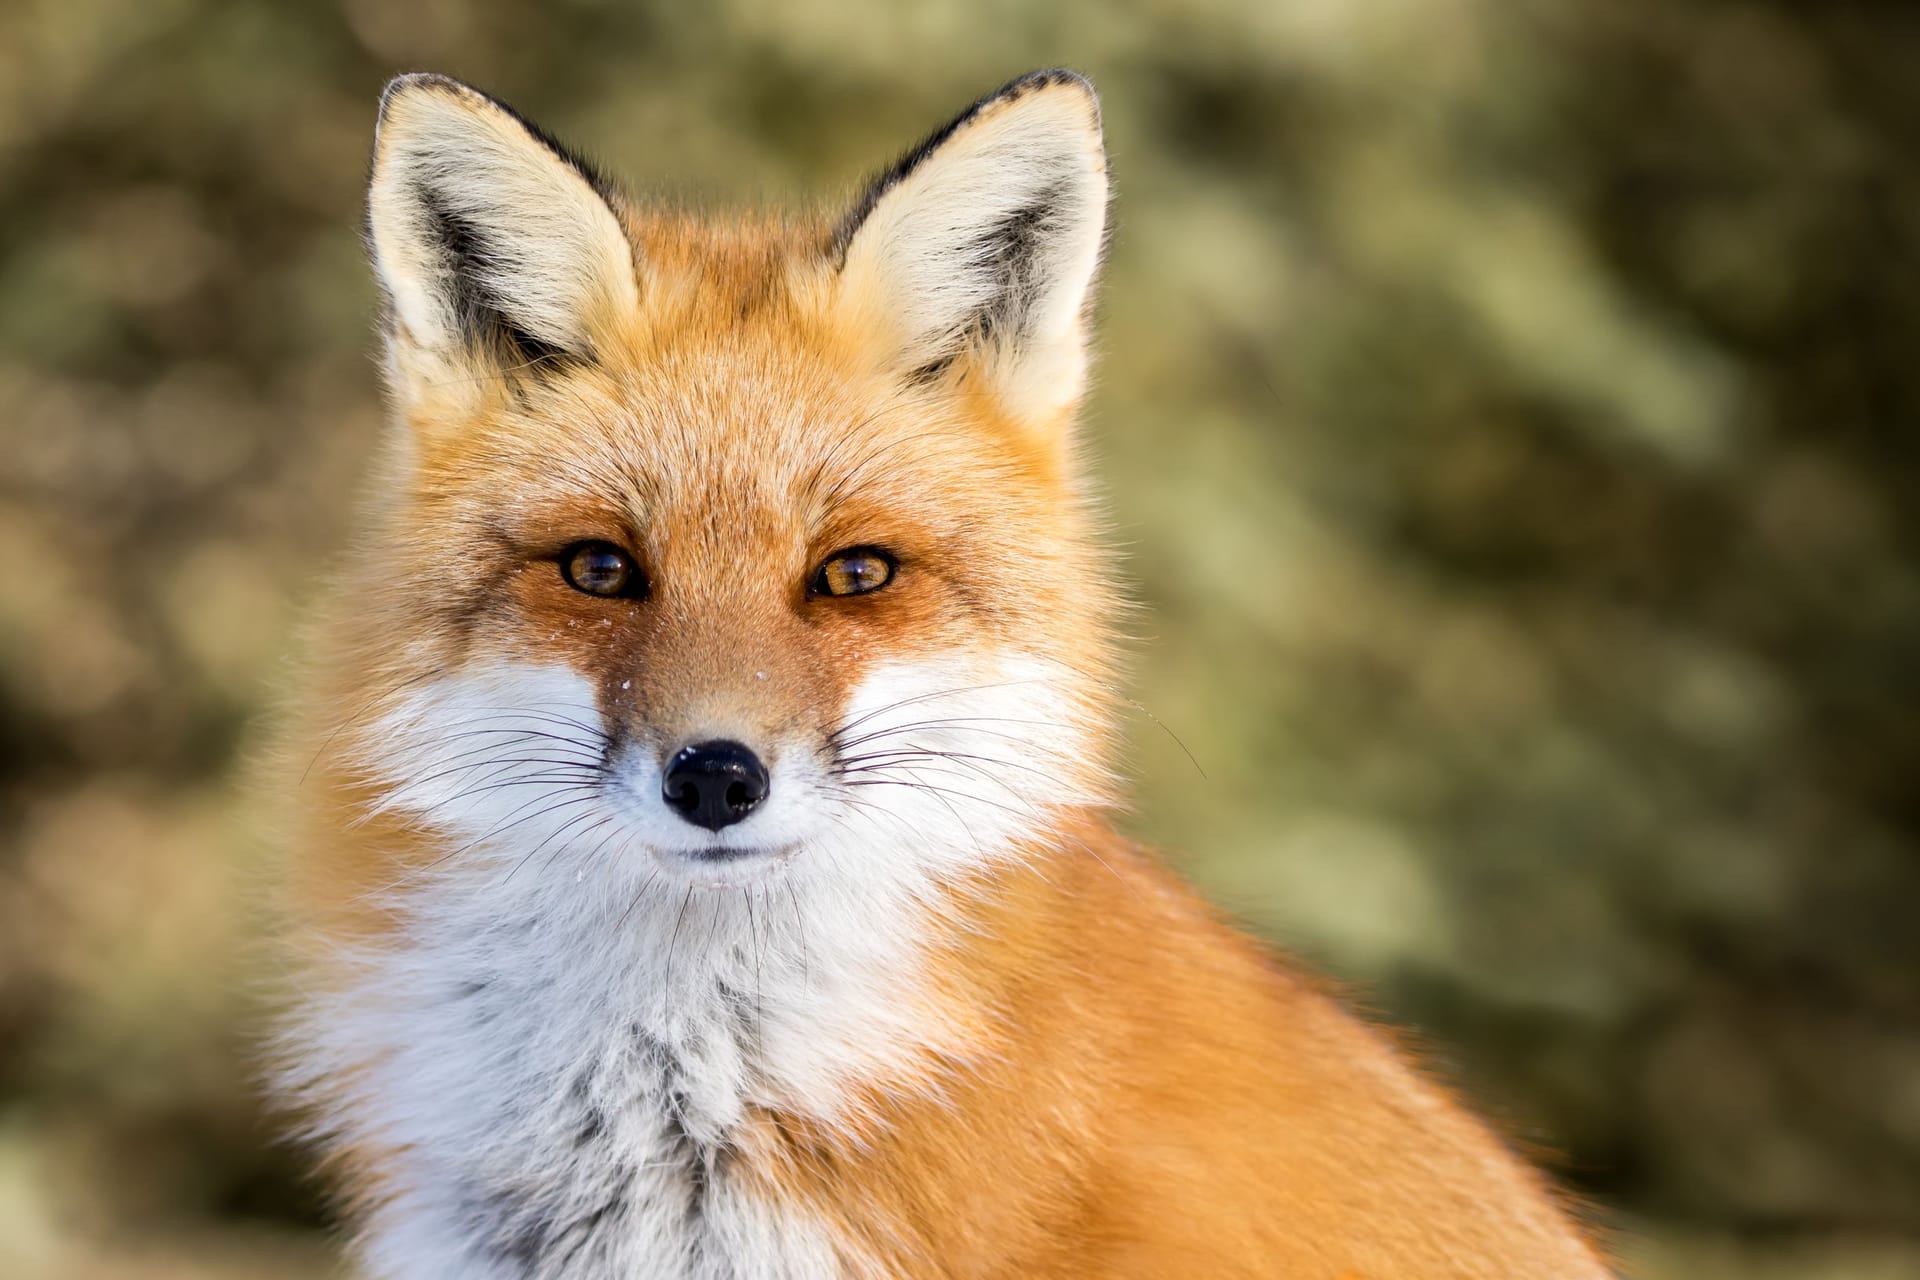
{"points": [[737, 434]]}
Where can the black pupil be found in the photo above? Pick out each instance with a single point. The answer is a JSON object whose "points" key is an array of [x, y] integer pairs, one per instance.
{"points": [[600, 570], [855, 575]]}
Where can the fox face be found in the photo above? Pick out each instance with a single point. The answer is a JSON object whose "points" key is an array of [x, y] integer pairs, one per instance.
{"points": [[716, 553]]}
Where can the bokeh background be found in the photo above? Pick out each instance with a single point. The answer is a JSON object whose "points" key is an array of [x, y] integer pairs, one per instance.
{"points": [[1508, 406]]}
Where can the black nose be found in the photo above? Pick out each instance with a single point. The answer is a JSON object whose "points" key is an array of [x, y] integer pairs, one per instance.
{"points": [[714, 784]]}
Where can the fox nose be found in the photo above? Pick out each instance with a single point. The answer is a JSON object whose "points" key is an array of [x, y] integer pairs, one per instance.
{"points": [[714, 784]]}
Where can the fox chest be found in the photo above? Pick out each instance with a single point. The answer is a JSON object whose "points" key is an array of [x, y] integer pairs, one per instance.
{"points": [[572, 1082], [621, 1165]]}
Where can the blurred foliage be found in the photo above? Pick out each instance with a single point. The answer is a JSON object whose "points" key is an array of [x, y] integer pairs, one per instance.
{"points": [[1508, 406]]}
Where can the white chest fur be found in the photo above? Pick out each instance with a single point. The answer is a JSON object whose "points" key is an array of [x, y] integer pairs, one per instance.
{"points": [[564, 1079]]}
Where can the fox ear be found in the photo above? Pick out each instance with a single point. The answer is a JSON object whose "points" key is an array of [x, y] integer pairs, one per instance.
{"points": [[978, 249], [491, 241]]}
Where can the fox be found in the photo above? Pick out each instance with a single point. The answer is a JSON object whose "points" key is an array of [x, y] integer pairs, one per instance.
{"points": [[705, 860]]}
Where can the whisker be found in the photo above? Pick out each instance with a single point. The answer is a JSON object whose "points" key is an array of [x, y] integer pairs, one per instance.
{"points": [[637, 897], [505, 826], [483, 761], [931, 789], [966, 762], [914, 772], [552, 836], [365, 707], [912, 752], [1167, 729], [857, 721], [966, 723], [580, 774], [941, 795], [753, 932], [800, 933], [546, 713], [853, 473], [613, 834], [666, 985], [552, 781], [513, 732], [419, 874]]}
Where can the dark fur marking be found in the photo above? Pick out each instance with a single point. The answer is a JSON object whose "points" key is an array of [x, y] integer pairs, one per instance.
{"points": [[462, 612], [1014, 247], [526, 1227], [932, 371], [688, 1151], [703, 1163], [896, 173], [573, 159], [481, 314], [591, 1130], [518, 1229], [593, 1126], [1011, 250]]}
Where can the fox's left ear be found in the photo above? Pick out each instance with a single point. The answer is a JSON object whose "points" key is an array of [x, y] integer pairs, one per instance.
{"points": [[977, 252]]}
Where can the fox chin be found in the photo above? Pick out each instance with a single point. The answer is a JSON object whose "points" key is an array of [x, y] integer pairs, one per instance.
{"points": [[705, 866]]}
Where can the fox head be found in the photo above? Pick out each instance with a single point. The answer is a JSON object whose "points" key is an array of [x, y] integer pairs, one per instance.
{"points": [[711, 552]]}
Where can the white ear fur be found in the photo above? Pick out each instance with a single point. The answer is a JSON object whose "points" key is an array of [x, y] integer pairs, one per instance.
{"points": [[987, 236], [483, 230]]}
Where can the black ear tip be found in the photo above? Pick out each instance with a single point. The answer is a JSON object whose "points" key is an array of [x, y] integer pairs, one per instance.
{"points": [[1039, 81], [412, 82], [1019, 87], [1049, 78]]}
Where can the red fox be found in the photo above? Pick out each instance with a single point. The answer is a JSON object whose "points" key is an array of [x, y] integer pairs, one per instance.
{"points": [[704, 868]]}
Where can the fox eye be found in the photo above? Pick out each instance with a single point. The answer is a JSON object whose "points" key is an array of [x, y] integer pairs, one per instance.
{"points": [[601, 569], [852, 572]]}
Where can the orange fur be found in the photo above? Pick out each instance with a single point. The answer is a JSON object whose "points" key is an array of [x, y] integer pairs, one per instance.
{"points": [[1217, 1115], [1125, 1086]]}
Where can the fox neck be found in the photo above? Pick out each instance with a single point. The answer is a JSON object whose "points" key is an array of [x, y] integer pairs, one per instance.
{"points": [[768, 992], [568, 1076]]}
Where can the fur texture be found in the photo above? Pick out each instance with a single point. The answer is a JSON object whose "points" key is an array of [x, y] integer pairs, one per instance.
{"points": [[921, 1012]]}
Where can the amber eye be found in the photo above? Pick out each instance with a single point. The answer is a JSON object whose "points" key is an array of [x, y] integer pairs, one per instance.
{"points": [[601, 569], [852, 572]]}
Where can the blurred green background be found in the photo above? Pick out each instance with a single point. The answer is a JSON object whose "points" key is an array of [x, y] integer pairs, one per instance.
{"points": [[1508, 407]]}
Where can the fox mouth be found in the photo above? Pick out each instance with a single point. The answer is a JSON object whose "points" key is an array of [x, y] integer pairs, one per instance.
{"points": [[729, 853], [727, 865]]}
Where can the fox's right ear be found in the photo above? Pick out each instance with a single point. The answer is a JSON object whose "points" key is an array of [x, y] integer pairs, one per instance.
{"points": [[497, 249]]}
